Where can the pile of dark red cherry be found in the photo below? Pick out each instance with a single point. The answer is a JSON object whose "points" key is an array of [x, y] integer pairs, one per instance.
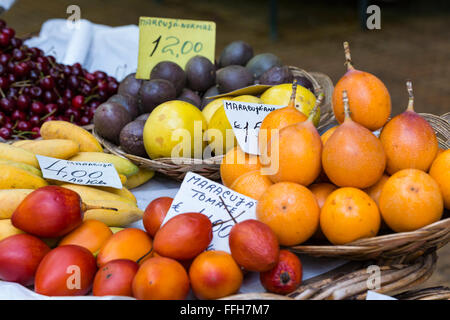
{"points": [[34, 88]]}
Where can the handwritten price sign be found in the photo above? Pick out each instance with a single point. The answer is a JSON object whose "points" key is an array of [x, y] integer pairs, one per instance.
{"points": [[245, 119], [80, 172], [176, 40], [199, 194]]}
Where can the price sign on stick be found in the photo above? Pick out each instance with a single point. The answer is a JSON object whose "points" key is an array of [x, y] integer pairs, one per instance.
{"points": [[176, 40], [199, 194], [80, 172], [245, 119]]}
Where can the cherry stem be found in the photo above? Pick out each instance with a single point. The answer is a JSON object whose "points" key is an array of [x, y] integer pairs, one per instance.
{"points": [[49, 114], [2, 93], [346, 105], [410, 94], [89, 98], [348, 57], [294, 94]]}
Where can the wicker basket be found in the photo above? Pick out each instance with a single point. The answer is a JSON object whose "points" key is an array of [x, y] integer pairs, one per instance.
{"points": [[351, 281], [405, 245], [209, 168]]}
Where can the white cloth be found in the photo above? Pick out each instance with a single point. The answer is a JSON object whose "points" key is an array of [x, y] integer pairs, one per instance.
{"points": [[113, 50]]}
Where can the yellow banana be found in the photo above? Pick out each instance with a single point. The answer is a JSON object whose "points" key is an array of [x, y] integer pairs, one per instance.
{"points": [[67, 130], [16, 178], [55, 148], [139, 178], [7, 229], [22, 165], [123, 179], [90, 193], [122, 165], [125, 214], [124, 193], [10, 200], [9, 152], [20, 143]]}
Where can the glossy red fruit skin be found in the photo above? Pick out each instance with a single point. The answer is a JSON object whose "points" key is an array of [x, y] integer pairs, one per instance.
{"points": [[50, 211], [20, 256], [173, 237], [155, 213], [68, 270], [254, 245], [115, 278], [286, 276]]}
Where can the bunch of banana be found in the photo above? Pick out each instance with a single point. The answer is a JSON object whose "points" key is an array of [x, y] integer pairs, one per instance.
{"points": [[20, 174]]}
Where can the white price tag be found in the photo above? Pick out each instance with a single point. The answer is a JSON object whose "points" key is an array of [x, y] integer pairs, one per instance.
{"points": [[80, 172], [245, 119], [199, 194]]}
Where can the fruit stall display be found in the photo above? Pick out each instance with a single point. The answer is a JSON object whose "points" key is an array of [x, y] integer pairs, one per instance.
{"points": [[344, 193], [34, 88], [195, 92]]}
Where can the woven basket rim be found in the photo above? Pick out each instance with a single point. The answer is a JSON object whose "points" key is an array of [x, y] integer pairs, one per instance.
{"points": [[350, 281]]}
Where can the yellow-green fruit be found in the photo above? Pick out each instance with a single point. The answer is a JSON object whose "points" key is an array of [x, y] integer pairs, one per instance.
{"points": [[175, 129], [55, 148], [280, 95], [20, 143], [23, 166], [247, 98], [16, 178], [67, 130], [139, 178], [122, 165], [10, 200], [9, 152], [209, 110], [7, 229], [220, 134]]}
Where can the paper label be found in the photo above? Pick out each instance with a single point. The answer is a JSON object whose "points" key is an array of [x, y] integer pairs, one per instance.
{"points": [[80, 172], [199, 194], [245, 119], [175, 40]]}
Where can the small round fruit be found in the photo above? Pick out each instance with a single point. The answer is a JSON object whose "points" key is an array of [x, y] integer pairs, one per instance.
{"points": [[254, 246], [370, 102], [410, 200], [252, 184], [184, 236], [375, 191], [20, 256], [211, 108], [129, 243], [280, 95], [440, 171], [286, 276], [66, 271], [161, 278], [349, 214], [327, 134], [235, 163], [167, 126], [220, 134], [115, 278], [215, 274], [91, 234], [290, 210], [409, 140], [155, 213]]}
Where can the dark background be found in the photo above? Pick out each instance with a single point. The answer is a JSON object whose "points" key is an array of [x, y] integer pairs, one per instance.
{"points": [[413, 42]]}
